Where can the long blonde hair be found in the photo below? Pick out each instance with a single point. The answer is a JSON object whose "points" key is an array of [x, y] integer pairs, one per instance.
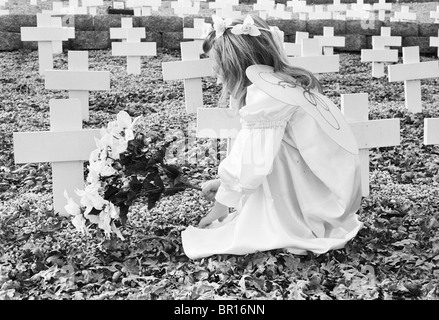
{"points": [[234, 53]]}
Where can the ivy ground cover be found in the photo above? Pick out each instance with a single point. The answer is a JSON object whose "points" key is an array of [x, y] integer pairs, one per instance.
{"points": [[42, 256]]}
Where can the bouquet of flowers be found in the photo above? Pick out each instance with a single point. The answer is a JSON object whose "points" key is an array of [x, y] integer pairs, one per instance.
{"points": [[120, 170]]}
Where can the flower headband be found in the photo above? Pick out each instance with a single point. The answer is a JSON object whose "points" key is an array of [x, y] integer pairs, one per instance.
{"points": [[247, 27]]}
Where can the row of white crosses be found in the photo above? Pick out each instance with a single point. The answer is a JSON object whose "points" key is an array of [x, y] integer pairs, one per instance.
{"points": [[131, 45], [66, 145], [412, 71], [144, 7]]}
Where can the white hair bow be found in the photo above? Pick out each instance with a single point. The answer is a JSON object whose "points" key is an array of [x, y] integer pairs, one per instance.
{"points": [[220, 25], [247, 27]]}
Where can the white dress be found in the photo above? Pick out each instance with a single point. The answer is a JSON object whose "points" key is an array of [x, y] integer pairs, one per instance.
{"points": [[292, 186]]}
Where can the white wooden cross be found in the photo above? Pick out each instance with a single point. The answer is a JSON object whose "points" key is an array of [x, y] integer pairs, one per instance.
{"points": [[219, 123], [198, 32], [302, 9], [431, 131], [435, 15], [57, 45], [191, 70], [359, 10], [434, 42], [411, 72], [92, 5], [279, 12], [369, 133], [381, 52], [382, 7], [263, 7], [3, 12], [144, 7], [66, 146], [74, 8], [328, 41], [404, 15], [295, 48], [184, 7], [57, 7], [133, 49], [319, 13], [45, 33], [224, 8], [311, 58], [121, 33], [338, 10], [78, 79]]}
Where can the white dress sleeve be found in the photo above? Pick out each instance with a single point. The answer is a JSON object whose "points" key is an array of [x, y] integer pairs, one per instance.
{"points": [[263, 120]]}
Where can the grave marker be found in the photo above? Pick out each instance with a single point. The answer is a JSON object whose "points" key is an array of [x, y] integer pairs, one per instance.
{"points": [[369, 133], [338, 10], [219, 123], [319, 13], [411, 72], [133, 49], [185, 7], [295, 49], [435, 15], [382, 7], [126, 25], [328, 41], [264, 7], [191, 69], [78, 80], [404, 15], [279, 12], [302, 9], [199, 31], [434, 42], [92, 5], [311, 58], [359, 11], [431, 131], [381, 52], [66, 146], [45, 33]]}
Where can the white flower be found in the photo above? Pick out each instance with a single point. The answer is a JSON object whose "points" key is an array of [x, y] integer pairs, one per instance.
{"points": [[118, 147], [79, 222], [220, 25], [206, 29], [71, 207], [102, 167], [247, 27], [125, 125], [90, 197], [105, 220], [117, 231]]}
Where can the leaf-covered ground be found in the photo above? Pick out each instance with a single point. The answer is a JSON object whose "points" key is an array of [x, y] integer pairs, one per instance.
{"points": [[395, 255]]}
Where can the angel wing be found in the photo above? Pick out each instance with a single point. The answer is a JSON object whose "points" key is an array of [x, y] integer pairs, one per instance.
{"points": [[321, 108]]}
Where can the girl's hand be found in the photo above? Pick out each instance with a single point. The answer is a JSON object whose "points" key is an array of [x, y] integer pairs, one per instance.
{"points": [[209, 189]]}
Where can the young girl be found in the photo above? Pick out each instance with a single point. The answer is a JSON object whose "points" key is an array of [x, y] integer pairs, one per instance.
{"points": [[293, 173]]}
